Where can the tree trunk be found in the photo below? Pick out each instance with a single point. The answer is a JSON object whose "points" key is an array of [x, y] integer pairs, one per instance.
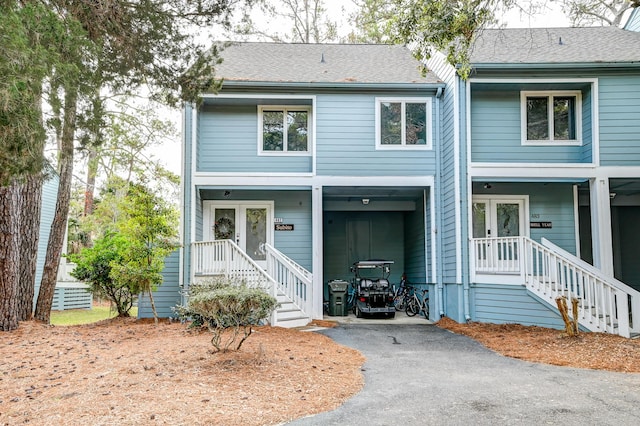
{"points": [[92, 171], [31, 205], [9, 256], [59, 225]]}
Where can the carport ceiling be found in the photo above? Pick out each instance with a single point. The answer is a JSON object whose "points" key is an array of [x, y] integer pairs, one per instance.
{"points": [[373, 193]]}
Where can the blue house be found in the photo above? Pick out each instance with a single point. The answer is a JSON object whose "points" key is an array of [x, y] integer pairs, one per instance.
{"points": [[545, 137], [499, 193]]}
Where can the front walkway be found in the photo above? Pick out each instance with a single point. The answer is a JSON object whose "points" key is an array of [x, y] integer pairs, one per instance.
{"points": [[424, 375]]}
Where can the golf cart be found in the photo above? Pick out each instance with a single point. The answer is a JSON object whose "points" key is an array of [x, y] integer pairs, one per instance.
{"points": [[373, 293]]}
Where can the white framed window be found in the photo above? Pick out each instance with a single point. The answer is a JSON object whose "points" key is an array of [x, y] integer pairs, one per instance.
{"points": [[284, 130], [551, 118], [403, 123]]}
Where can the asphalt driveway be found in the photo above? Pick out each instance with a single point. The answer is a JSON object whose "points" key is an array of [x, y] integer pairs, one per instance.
{"points": [[423, 375]]}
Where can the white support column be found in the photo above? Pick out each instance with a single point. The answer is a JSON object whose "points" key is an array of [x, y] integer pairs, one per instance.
{"points": [[601, 240], [317, 291]]}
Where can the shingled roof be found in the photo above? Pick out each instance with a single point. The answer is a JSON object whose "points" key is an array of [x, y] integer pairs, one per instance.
{"points": [[556, 45], [321, 63]]}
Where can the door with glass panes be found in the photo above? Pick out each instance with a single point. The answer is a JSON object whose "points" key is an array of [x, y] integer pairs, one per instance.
{"points": [[499, 218], [249, 224]]}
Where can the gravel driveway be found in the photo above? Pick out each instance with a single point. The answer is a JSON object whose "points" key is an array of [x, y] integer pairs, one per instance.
{"points": [[424, 375]]}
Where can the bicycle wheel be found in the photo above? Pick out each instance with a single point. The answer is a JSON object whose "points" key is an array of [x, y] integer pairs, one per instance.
{"points": [[413, 307], [399, 302]]}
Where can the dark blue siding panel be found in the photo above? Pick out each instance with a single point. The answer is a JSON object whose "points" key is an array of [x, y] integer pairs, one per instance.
{"points": [[504, 304], [228, 142], [167, 295], [496, 133]]}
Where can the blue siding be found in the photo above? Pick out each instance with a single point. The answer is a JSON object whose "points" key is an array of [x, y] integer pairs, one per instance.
{"points": [[167, 295], [294, 207], [49, 198], [445, 178], [620, 120], [548, 202], [504, 304], [346, 140], [228, 142], [414, 245], [496, 133], [633, 24]]}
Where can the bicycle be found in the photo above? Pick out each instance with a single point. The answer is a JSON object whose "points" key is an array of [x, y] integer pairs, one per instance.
{"points": [[418, 304], [403, 295]]}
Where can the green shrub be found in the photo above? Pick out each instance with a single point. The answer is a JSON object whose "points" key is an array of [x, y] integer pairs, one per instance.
{"points": [[228, 309]]}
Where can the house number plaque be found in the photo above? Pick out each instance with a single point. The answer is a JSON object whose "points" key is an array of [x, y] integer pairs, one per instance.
{"points": [[284, 226], [546, 225]]}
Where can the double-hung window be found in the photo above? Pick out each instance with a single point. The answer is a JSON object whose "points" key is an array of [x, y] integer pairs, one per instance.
{"points": [[551, 118], [403, 123], [284, 129]]}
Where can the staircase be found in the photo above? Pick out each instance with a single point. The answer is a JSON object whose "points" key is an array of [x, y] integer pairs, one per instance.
{"points": [[284, 279], [604, 303]]}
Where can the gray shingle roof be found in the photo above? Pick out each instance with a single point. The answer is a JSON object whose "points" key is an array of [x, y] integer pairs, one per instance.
{"points": [[556, 45], [303, 63]]}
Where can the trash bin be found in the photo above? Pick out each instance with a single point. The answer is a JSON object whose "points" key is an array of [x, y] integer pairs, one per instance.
{"points": [[338, 298]]}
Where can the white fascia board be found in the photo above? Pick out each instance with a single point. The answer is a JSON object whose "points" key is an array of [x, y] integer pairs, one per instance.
{"points": [[375, 180], [309, 180], [534, 80], [256, 96], [511, 170], [618, 172]]}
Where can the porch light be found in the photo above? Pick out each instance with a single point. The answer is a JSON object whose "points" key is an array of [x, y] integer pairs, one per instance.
{"points": [[487, 185], [365, 201]]}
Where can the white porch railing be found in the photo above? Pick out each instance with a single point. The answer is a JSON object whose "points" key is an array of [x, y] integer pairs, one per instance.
{"points": [[282, 277], [226, 258], [605, 304], [294, 280]]}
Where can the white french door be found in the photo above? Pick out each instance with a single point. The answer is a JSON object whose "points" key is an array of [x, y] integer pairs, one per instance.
{"points": [[248, 223], [500, 217]]}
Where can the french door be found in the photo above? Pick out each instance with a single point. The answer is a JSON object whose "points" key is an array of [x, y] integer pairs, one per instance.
{"points": [[501, 217], [249, 224]]}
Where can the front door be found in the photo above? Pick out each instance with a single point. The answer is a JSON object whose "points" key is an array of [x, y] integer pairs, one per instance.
{"points": [[249, 224], [500, 218]]}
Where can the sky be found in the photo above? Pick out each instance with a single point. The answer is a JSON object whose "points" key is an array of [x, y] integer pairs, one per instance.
{"points": [[553, 17]]}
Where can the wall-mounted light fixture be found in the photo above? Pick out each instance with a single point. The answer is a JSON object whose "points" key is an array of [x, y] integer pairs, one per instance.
{"points": [[226, 194], [487, 185], [612, 195], [365, 201]]}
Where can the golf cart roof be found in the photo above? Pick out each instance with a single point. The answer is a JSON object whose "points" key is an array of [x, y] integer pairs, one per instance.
{"points": [[372, 263]]}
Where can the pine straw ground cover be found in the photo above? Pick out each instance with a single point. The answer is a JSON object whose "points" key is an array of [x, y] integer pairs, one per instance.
{"points": [[134, 372]]}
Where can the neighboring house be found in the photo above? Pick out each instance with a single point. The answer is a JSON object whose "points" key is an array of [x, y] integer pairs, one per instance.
{"points": [[546, 136], [489, 191], [69, 293]]}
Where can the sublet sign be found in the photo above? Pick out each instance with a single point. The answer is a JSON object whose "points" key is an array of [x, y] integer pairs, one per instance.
{"points": [[284, 226]]}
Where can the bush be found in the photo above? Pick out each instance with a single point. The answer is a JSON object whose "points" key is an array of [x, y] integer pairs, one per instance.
{"points": [[94, 266], [228, 309]]}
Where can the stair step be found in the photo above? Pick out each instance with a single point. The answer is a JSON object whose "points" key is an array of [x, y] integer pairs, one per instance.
{"points": [[298, 321]]}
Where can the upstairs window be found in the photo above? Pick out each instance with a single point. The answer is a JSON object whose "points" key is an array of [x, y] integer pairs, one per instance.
{"points": [[403, 123], [551, 118], [284, 130]]}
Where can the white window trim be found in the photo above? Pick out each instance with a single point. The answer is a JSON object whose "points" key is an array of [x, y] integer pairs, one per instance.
{"points": [[284, 109], [550, 94], [429, 142]]}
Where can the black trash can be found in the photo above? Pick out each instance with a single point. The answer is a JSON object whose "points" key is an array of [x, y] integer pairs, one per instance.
{"points": [[338, 298]]}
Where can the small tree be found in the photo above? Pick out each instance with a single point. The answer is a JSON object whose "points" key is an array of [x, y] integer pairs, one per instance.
{"points": [[94, 266], [150, 227], [228, 310]]}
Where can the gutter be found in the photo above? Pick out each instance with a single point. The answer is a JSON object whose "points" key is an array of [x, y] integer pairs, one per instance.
{"points": [[287, 85], [439, 243]]}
